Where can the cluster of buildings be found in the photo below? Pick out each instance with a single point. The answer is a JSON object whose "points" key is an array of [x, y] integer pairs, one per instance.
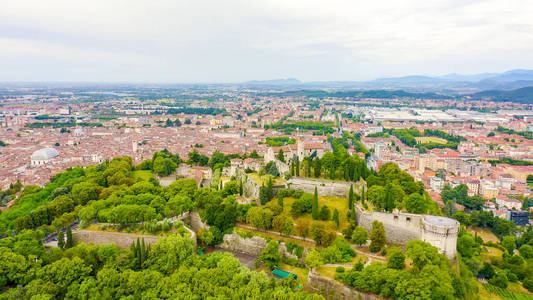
{"points": [[125, 125], [503, 185]]}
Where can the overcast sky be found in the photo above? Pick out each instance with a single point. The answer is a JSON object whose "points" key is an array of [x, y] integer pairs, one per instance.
{"points": [[240, 40]]}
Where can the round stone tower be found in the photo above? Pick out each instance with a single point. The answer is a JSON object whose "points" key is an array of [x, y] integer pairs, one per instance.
{"points": [[440, 232]]}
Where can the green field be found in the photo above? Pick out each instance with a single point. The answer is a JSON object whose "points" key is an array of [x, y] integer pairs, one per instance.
{"points": [[264, 179], [341, 204], [430, 139], [302, 273], [143, 174], [494, 292]]}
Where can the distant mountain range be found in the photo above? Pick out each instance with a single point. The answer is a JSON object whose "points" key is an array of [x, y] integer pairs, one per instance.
{"points": [[447, 84], [273, 82], [522, 95]]}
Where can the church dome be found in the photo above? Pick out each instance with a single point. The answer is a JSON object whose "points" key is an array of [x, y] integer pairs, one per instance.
{"points": [[44, 154]]}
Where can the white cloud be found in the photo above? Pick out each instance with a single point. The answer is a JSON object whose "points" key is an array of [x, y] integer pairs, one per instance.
{"points": [[236, 40]]}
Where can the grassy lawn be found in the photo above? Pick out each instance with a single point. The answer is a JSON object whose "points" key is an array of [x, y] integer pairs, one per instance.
{"points": [[487, 291], [132, 230], [341, 204], [264, 179], [143, 174], [517, 288], [430, 139], [287, 202], [300, 272], [484, 294], [491, 252], [262, 268], [359, 257], [485, 234], [327, 271]]}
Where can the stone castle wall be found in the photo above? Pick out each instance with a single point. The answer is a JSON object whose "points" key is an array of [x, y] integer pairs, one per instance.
{"points": [[443, 237], [250, 186], [122, 240], [324, 187], [332, 289], [252, 246], [401, 227], [194, 220]]}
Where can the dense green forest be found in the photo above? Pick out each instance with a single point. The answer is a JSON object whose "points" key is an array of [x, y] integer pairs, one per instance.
{"points": [[111, 192], [168, 269], [129, 198]]}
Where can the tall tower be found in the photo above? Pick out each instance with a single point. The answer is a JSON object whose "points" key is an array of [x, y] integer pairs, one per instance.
{"points": [[134, 146], [301, 148]]}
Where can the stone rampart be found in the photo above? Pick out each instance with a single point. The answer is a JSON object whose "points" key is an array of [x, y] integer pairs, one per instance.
{"points": [[402, 227], [252, 246], [194, 220], [249, 186], [324, 187], [332, 289], [122, 240]]}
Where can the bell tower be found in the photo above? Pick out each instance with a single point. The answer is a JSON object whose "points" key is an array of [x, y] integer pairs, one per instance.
{"points": [[301, 148]]}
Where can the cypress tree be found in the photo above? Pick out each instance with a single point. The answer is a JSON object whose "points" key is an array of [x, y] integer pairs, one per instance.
{"points": [[138, 253], [269, 189], [280, 200], [133, 249], [70, 242], [314, 212], [317, 167], [241, 188], [350, 197], [61, 239], [143, 252], [263, 195], [336, 217], [280, 156], [377, 236], [292, 169]]}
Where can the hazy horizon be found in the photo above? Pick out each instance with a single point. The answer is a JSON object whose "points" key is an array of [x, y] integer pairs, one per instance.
{"points": [[237, 41]]}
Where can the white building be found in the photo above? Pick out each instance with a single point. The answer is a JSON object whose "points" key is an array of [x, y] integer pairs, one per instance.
{"points": [[44, 156], [436, 184]]}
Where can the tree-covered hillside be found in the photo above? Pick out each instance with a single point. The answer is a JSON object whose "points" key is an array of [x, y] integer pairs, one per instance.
{"points": [[522, 95]]}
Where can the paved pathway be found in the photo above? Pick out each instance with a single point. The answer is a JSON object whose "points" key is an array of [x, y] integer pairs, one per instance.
{"points": [[296, 237]]}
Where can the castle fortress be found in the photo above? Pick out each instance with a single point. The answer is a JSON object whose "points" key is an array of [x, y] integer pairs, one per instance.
{"points": [[401, 227], [316, 146]]}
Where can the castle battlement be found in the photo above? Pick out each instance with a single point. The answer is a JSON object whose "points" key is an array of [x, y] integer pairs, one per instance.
{"points": [[402, 227]]}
